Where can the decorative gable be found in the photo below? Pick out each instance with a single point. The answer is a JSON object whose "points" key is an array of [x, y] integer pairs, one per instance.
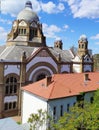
{"points": [[22, 23], [87, 59], [76, 59], [33, 24], [43, 53]]}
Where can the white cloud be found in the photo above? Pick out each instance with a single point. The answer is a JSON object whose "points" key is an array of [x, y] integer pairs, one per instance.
{"points": [[3, 34], [72, 31], [50, 7], [96, 37], [84, 8], [66, 27], [97, 43], [50, 31], [5, 21], [60, 7], [13, 7]]}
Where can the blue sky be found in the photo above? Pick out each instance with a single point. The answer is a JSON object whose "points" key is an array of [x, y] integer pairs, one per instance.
{"points": [[64, 20]]}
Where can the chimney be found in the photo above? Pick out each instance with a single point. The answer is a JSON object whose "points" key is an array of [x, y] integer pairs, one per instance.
{"points": [[48, 80], [86, 77]]}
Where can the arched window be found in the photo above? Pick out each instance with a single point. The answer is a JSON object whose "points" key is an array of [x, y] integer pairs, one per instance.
{"points": [[14, 105], [11, 86], [21, 31], [6, 106], [35, 32], [41, 76], [24, 31], [10, 105], [82, 45]]}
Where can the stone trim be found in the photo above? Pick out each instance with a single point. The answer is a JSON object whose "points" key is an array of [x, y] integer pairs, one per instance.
{"points": [[39, 64]]}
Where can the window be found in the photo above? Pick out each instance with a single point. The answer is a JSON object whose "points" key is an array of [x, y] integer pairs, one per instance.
{"points": [[61, 110], [6, 106], [19, 31], [41, 76], [35, 32], [91, 100], [14, 105], [11, 86], [10, 106], [22, 31], [7, 90], [54, 114], [80, 97], [68, 106], [15, 88], [82, 45], [54, 111], [87, 59], [74, 103]]}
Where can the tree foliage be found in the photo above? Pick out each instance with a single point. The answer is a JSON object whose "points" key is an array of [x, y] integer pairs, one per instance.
{"points": [[37, 120], [96, 62], [82, 116]]}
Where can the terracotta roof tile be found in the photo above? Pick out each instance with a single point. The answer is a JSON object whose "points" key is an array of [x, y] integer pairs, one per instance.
{"points": [[64, 85]]}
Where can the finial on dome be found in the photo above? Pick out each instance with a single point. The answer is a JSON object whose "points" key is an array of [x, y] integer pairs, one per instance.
{"points": [[28, 4]]}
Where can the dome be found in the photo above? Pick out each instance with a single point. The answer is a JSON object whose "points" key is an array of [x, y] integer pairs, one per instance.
{"points": [[83, 38], [27, 13]]}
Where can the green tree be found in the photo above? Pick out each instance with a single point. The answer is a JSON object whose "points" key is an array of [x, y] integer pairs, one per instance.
{"points": [[37, 120], [82, 116], [96, 62]]}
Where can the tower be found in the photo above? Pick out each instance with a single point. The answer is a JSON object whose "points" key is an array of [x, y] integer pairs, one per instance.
{"points": [[83, 60], [82, 46], [58, 44]]}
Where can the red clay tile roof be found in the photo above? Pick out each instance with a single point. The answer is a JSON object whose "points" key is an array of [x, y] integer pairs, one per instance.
{"points": [[64, 85]]}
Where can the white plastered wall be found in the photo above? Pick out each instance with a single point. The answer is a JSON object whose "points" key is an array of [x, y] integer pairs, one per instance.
{"points": [[31, 104], [76, 68]]}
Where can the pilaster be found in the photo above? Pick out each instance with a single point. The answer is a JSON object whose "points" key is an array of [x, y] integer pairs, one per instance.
{"points": [[1, 88], [22, 79]]}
